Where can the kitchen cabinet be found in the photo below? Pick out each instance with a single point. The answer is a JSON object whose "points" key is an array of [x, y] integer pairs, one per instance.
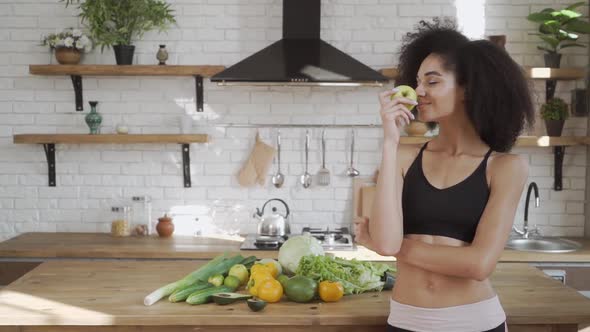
{"points": [[577, 275], [10, 271]]}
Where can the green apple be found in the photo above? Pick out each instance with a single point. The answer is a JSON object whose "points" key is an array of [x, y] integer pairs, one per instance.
{"points": [[240, 271], [406, 92]]}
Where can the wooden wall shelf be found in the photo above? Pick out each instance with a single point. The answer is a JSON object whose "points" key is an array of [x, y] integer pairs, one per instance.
{"points": [[109, 138], [562, 74], [49, 141], [535, 73], [125, 70], [522, 141], [77, 71]]}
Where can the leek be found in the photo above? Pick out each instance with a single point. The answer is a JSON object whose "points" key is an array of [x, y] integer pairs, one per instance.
{"points": [[220, 264]]}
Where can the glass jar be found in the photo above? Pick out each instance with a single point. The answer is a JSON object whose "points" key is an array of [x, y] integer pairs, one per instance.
{"points": [[141, 211], [120, 225]]}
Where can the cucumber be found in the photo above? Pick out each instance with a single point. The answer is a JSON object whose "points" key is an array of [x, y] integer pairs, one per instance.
{"points": [[182, 294], [249, 261], [204, 295]]}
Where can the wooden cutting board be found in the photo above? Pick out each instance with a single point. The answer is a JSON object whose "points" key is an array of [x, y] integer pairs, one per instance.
{"points": [[363, 195]]}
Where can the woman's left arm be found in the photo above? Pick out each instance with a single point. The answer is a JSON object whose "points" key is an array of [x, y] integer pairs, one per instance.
{"points": [[477, 260]]}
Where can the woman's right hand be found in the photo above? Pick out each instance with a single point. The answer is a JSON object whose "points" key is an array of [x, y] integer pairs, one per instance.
{"points": [[394, 114]]}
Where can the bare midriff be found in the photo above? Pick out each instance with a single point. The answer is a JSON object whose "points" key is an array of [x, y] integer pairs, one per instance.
{"points": [[422, 288]]}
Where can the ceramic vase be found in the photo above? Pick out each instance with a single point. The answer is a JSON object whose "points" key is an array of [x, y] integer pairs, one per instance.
{"points": [[165, 227], [93, 119], [162, 55]]}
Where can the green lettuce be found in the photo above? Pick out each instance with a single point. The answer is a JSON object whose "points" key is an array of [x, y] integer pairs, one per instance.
{"points": [[356, 276]]}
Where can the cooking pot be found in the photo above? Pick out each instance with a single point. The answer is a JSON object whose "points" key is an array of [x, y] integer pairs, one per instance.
{"points": [[272, 224]]}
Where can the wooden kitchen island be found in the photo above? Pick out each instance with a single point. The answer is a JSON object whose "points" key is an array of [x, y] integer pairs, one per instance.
{"points": [[108, 296]]}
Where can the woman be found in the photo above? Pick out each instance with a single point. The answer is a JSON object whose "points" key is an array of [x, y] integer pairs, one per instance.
{"points": [[456, 196]]}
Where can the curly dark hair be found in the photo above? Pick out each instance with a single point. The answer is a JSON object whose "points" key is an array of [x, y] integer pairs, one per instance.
{"points": [[497, 94]]}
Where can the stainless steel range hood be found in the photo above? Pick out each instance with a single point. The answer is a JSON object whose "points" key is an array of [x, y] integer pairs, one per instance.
{"points": [[301, 58]]}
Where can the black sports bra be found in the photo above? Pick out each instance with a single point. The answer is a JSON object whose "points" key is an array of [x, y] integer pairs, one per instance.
{"points": [[452, 212]]}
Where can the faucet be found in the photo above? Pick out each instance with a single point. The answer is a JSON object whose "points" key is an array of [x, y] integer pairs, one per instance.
{"points": [[525, 228]]}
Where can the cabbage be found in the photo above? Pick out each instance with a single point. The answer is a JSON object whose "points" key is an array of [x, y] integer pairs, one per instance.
{"points": [[296, 247]]}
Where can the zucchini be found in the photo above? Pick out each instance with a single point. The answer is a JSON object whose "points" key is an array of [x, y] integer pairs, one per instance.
{"points": [[204, 295]]}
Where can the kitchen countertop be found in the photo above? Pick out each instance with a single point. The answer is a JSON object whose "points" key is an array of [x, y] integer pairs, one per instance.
{"points": [[108, 295], [104, 246]]}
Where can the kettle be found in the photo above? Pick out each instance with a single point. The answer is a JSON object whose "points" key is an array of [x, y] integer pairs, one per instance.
{"points": [[274, 224]]}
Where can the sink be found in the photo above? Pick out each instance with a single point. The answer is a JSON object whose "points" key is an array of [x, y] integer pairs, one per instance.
{"points": [[549, 245]]}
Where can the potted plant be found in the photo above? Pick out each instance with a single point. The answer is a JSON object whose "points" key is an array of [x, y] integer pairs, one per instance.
{"points": [[68, 45], [554, 112], [117, 23], [559, 29]]}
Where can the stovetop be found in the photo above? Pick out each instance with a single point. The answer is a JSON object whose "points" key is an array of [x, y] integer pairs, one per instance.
{"points": [[336, 239]]}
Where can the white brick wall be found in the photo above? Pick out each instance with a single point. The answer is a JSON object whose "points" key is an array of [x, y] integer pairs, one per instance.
{"points": [[92, 178]]}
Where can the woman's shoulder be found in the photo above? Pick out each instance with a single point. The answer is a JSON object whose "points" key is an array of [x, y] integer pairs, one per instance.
{"points": [[508, 166]]}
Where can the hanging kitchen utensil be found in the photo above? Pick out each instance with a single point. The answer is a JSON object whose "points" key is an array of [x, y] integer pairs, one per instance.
{"points": [[323, 173], [306, 177], [278, 179], [351, 171]]}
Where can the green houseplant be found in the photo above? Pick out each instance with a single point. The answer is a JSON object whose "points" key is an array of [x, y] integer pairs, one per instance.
{"points": [[117, 23], [554, 112], [559, 29]]}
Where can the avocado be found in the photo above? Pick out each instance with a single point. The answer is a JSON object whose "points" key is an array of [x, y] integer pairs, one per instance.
{"points": [[227, 298], [301, 289], [256, 304]]}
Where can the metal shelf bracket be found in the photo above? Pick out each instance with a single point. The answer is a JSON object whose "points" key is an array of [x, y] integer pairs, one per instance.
{"points": [[186, 165], [50, 155], [199, 96], [77, 82], [558, 152]]}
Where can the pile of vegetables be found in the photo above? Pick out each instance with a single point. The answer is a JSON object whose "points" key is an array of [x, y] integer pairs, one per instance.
{"points": [[196, 287], [302, 274]]}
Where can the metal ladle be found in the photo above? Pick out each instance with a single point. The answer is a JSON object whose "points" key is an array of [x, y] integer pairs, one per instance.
{"points": [[306, 177], [278, 179], [351, 171]]}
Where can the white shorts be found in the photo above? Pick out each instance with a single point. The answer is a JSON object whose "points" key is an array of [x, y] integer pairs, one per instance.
{"points": [[474, 317]]}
